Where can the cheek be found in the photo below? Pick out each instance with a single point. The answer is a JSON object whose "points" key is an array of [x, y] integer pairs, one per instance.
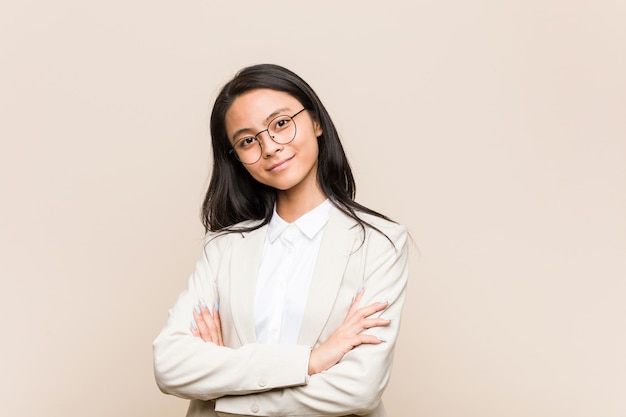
{"points": [[315, 149]]}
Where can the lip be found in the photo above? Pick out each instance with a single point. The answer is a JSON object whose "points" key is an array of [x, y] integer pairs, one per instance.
{"points": [[279, 166]]}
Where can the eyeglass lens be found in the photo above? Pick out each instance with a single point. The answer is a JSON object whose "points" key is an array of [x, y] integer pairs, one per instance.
{"points": [[282, 130]]}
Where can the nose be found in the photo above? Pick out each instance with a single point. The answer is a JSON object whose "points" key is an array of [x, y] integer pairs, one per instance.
{"points": [[268, 145]]}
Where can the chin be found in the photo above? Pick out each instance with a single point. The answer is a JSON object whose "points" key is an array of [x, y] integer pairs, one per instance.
{"points": [[280, 184], [282, 187]]}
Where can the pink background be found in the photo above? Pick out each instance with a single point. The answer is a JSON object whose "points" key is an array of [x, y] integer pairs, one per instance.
{"points": [[495, 130]]}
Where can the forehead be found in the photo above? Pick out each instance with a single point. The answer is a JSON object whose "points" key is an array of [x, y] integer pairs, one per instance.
{"points": [[251, 109]]}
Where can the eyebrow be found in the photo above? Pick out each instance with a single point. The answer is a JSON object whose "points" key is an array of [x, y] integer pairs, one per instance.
{"points": [[275, 113]]}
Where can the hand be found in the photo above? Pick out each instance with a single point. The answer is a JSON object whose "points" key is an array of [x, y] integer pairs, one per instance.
{"points": [[348, 336], [206, 323]]}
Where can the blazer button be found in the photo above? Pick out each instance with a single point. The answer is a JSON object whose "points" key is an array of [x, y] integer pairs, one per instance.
{"points": [[254, 408], [262, 382]]}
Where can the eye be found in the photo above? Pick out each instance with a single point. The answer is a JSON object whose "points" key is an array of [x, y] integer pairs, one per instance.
{"points": [[281, 122], [246, 142]]}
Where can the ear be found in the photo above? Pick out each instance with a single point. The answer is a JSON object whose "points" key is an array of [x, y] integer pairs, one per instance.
{"points": [[317, 128]]}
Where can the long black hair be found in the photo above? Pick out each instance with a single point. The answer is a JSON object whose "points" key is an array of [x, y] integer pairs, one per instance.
{"points": [[233, 195]]}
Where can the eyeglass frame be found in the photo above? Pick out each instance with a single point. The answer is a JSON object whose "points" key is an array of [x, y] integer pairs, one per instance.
{"points": [[256, 137]]}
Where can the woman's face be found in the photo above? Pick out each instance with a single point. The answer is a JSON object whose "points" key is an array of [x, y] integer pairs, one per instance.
{"points": [[285, 167]]}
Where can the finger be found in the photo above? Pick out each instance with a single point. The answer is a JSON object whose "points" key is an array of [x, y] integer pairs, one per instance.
{"points": [[372, 308], [194, 328], [378, 322], [209, 320], [218, 323], [203, 329], [362, 319], [364, 339], [355, 318], [355, 302], [370, 339], [358, 326]]}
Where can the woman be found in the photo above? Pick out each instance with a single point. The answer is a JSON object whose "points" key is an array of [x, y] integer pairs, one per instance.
{"points": [[294, 306]]}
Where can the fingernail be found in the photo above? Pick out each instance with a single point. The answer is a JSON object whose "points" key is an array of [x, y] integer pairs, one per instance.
{"points": [[385, 318], [358, 291], [217, 306], [384, 302], [382, 339], [202, 302], [194, 325], [197, 308]]}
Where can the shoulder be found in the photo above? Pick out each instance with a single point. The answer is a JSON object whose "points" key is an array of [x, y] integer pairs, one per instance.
{"points": [[233, 233], [376, 229], [384, 246], [394, 231], [380, 223]]}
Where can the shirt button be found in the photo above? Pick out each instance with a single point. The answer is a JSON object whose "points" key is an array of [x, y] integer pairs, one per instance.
{"points": [[262, 382], [254, 408]]}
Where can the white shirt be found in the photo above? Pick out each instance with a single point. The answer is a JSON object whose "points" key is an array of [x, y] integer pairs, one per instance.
{"points": [[287, 263]]}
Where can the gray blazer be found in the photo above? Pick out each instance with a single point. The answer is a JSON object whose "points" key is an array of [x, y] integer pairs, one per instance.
{"points": [[247, 378]]}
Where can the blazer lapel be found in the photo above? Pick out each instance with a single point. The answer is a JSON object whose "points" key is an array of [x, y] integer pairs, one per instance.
{"points": [[335, 249], [245, 261]]}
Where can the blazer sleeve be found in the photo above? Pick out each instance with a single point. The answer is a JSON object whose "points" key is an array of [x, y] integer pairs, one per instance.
{"points": [[188, 367], [355, 384]]}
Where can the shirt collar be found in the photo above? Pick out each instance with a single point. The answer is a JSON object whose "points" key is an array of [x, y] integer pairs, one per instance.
{"points": [[309, 224]]}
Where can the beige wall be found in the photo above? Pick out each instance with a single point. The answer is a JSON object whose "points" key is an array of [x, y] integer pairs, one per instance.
{"points": [[495, 130]]}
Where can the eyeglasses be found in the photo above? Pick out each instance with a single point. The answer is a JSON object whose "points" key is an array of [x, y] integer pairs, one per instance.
{"points": [[281, 129]]}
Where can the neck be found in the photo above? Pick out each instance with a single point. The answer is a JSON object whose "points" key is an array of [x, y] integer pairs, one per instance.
{"points": [[292, 204]]}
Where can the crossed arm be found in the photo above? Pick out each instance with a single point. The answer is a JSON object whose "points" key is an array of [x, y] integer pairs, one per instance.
{"points": [[347, 371], [207, 326]]}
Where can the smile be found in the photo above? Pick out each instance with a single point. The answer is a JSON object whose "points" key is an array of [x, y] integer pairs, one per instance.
{"points": [[279, 166]]}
